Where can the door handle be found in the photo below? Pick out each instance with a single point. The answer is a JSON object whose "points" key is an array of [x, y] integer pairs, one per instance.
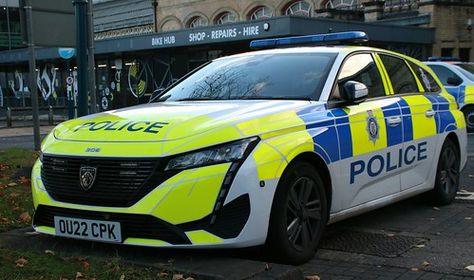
{"points": [[394, 121], [430, 113]]}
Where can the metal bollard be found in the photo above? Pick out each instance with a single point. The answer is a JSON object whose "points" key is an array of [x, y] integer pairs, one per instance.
{"points": [[9, 117], [50, 115]]}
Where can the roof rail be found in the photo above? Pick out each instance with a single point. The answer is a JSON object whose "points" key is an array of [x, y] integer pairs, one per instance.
{"points": [[319, 39], [443, 58]]}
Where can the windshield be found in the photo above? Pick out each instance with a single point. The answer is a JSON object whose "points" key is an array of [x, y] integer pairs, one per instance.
{"points": [[259, 76], [467, 69]]}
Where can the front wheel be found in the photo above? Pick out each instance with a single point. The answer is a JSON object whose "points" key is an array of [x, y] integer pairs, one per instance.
{"points": [[447, 174], [299, 215]]}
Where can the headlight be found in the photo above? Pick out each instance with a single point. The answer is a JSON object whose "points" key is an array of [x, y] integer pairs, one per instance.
{"points": [[233, 151]]}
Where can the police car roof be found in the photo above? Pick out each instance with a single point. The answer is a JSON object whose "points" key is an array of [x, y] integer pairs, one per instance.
{"points": [[316, 49]]}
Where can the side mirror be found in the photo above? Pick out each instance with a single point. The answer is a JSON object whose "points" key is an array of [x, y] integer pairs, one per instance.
{"points": [[454, 81], [156, 93], [354, 92]]}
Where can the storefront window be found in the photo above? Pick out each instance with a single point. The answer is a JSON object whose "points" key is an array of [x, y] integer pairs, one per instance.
{"points": [[299, 8], [226, 17], [262, 12]]}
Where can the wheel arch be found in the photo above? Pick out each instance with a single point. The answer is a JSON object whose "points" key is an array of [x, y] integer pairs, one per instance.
{"points": [[453, 137], [466, 106], [317, 162]]}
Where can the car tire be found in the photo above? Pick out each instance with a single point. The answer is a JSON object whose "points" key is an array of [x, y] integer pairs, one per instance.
{"points": [[299, 215], [447, 174], [469, 116]]}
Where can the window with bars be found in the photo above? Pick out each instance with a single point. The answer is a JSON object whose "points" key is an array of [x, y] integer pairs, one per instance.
{"points": [[226, 17], [299, 8], [261, 12], [197, 21]]}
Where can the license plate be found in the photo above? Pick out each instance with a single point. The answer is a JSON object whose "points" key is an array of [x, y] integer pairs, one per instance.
{"points": [[88, 229]]}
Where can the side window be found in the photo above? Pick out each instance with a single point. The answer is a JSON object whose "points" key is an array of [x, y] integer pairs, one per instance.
{"points": [[428, 82], [360, 68], [400, 75], [444, 73]]}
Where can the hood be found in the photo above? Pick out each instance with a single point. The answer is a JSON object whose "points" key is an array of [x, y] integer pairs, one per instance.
{"points": [[174, 120]]}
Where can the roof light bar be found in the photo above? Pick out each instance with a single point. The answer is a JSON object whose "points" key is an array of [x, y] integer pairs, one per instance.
{"points": [[339, 37]]}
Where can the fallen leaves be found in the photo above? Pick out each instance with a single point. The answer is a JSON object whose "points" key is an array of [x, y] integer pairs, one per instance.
{"points": [[467, 218], [425, 263], [49, 252], [80, 276], [24, 181], [25, 217], [470, 267], [181, 277], [4, 166], [436, 208], [419, 246], [21, 262], [312, 277]]}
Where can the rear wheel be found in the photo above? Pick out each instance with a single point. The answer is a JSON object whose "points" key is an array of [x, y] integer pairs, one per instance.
{"points": [[447, 174], [299, 215], [469, 115]]}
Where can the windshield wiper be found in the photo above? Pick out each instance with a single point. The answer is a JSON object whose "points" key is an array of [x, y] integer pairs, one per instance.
{"points": [[195, 99]]}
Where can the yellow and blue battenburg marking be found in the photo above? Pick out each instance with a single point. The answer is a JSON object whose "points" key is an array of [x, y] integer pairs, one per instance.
{"points": [[444, 117], [327, 128], [335, 136], [463, 94]]}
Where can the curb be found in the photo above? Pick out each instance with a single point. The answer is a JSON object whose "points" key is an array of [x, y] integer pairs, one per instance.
{"points": [[209, 264]]}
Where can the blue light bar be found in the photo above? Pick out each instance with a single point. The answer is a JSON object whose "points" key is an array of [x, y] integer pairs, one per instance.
{"points": [[349, 37]]}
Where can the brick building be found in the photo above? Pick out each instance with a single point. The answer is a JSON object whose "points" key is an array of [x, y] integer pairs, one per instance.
{"points": [[452, 19]]}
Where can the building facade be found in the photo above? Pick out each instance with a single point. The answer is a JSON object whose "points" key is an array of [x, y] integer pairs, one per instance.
{"points": [[451, 19], [144, 45]]}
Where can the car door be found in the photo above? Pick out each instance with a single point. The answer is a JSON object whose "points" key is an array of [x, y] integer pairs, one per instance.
{"points": [[419, 113], [375, 126]]}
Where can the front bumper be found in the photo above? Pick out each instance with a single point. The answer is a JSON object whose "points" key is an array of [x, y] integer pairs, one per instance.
{"points": [[178, 213]]}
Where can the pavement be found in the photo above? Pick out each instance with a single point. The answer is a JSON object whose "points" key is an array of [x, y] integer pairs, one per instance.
{"points": [[407, 240]]}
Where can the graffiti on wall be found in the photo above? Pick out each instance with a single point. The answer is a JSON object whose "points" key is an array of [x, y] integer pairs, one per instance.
{"points": [[17, 85], [139, 73], [46, 81]]}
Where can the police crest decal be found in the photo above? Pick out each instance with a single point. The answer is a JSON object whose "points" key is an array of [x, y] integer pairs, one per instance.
{"points": [[372, 127]]}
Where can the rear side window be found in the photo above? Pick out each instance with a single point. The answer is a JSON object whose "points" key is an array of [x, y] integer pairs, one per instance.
{"points": [[400, 75], [428, 82], [360, 68]]}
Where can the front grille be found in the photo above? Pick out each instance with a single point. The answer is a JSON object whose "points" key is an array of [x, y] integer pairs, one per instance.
{"points": [[119, 182], [132, 225]]}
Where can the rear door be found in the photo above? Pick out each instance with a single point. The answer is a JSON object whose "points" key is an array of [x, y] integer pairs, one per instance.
{"points": [[419, 113]]}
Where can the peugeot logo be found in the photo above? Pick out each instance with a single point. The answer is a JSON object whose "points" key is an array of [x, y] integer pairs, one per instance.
{"points": [[87, 175]]}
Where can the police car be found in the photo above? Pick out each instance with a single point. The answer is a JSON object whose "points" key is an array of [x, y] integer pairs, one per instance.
{"points": [[458, 79], [262, 148]]}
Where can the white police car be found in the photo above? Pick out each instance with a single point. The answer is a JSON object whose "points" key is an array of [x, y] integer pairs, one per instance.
{"points": [[261, 148], [458, 79]]}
